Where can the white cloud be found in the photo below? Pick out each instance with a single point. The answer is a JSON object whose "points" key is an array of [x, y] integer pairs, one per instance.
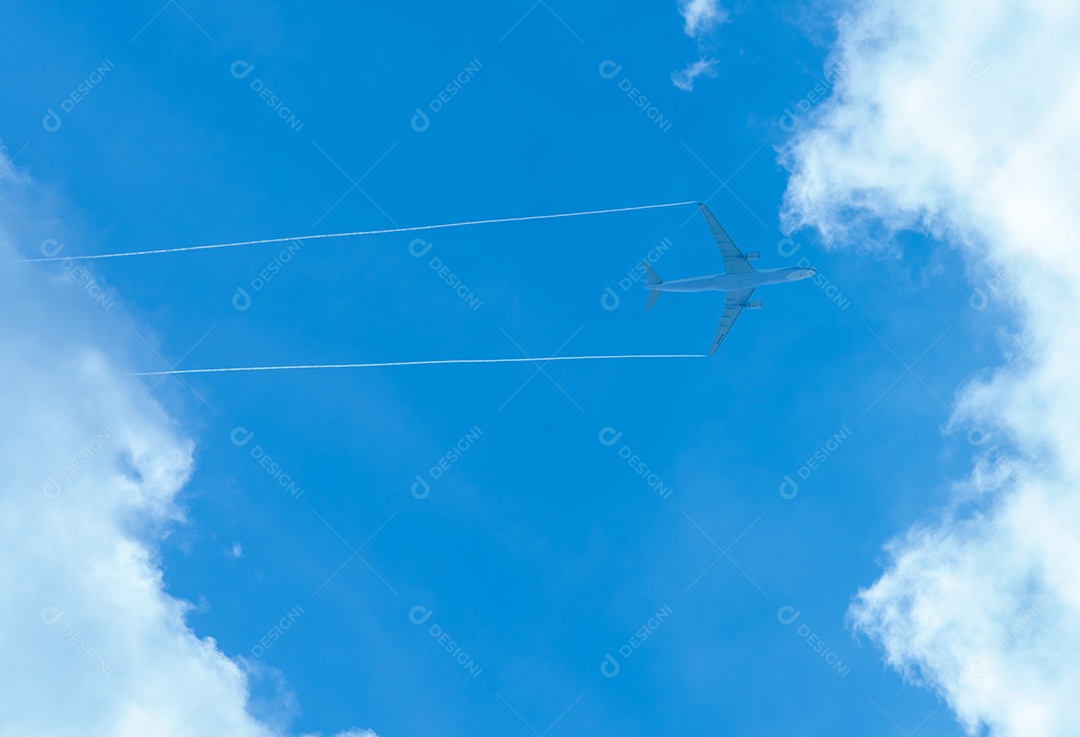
{"points": [[960, 118], [701, 18], [93, 645], [684, 79]]}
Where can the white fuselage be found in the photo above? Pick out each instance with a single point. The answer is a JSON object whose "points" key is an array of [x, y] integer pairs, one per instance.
{"points": [[734, 282]]}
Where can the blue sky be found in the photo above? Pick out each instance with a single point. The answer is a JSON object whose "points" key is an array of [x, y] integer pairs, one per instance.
{"points": [[540, 550]]}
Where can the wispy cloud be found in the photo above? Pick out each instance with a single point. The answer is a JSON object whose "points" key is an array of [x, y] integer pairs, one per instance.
{"points": [[701, 18], [94, 644], [684, 79], [967, 129]]}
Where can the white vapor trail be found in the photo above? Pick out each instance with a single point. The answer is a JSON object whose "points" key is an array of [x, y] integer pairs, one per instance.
{"points": [[435, 362], [384, 231]]}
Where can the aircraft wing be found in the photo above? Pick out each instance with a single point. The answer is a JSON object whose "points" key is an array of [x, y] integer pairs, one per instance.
{"points": [[732, 307], [734, 260]]}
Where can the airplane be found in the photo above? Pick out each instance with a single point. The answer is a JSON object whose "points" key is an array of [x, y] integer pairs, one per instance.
{"points": [[739, 281]]}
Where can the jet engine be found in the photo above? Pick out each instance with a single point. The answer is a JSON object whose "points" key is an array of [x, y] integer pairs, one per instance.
{"points": [[753, 256], [753, 305]]}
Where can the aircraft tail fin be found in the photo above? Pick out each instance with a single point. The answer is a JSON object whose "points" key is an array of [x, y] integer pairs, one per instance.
{"points": [[654, 294]]}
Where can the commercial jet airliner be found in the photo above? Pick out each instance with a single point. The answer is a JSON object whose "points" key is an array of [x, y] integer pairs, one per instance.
{"points": [[739, 281]]}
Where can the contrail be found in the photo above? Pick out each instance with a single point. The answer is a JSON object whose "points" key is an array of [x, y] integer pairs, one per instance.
{"points": [[436, 362], [183, 249]]}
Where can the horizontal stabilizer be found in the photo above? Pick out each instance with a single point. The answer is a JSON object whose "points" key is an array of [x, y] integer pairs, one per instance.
{"points": [[653, 278]]}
